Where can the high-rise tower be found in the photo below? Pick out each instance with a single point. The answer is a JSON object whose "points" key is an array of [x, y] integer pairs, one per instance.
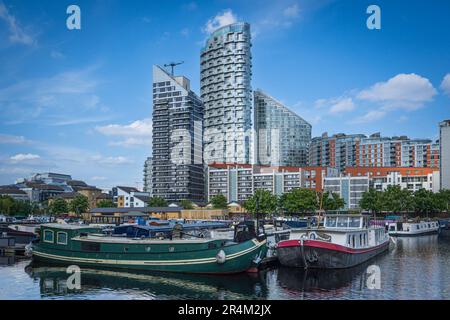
{"points": [[226, 70], [177, 163], [281, 136]]}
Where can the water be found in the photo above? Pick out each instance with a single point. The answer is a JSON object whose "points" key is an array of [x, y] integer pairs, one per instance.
{"points": [[414, 268]]}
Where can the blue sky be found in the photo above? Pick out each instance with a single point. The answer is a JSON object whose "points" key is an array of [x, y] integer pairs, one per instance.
{"points": [[79, 101]]}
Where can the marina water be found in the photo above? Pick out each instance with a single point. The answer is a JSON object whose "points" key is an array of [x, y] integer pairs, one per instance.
{"points": [[414, 268]]}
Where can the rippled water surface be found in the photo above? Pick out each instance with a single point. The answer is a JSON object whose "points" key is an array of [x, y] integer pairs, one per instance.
{"points": [[414, 268]]}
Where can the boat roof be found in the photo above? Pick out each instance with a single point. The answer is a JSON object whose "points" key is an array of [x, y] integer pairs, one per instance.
{"points": [[109, 239], [67, 226]]}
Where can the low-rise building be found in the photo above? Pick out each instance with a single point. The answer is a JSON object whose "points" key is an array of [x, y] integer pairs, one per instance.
{"points": [[237, 182], [14, 193], [129, 197], [412, 179], [348, 188]]}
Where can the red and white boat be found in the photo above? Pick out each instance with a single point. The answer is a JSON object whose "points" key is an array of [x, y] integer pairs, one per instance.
{"points": [[344, 241]]}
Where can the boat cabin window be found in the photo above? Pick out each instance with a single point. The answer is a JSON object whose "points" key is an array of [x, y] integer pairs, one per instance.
{"points": [[49, 236], [354, 222], [342, 222], [331, 222], [61, 237]]}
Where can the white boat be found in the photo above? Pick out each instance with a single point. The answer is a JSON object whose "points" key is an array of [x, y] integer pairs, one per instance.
{"points": [[344, 241], [33, 228], [410, 228]]}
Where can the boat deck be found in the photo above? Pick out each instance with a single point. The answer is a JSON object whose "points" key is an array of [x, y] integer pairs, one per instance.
{"points": [[109, 239]]}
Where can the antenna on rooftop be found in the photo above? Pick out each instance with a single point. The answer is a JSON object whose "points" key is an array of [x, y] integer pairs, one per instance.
{"points": [[172, 65]]}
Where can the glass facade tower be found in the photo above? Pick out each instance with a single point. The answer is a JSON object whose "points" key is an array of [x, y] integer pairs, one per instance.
{"points": [[225, 83], [282, 137]]}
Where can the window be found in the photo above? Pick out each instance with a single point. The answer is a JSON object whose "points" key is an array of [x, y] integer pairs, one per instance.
{"points": [[48, 236], [61, 238]]}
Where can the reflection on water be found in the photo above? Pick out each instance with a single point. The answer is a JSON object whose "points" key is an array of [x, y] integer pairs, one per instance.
{"points": [[414, 268]]}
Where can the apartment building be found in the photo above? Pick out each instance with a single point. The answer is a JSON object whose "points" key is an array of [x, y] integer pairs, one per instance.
{"points": [[239, 181]]}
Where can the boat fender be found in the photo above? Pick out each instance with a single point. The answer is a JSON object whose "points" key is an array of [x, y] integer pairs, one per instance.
{"points": [[221, 257]]}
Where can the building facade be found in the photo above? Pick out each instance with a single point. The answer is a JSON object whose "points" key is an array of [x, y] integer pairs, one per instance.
{"points": [[129, 197], [348, 188], [281, 136], [338, 151], [148, 175], [444, 142], [412, 179], [225, 84], [177, 161], [341, 151], [238, 182]]}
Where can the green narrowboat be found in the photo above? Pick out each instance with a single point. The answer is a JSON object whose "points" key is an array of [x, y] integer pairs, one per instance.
{"points": [[87, 246]]}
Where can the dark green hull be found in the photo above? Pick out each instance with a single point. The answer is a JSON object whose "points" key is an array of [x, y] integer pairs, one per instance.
{"points": [[166, 255]]}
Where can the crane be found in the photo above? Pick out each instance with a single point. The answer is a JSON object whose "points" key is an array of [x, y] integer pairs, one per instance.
{"points": [[172, 65]]}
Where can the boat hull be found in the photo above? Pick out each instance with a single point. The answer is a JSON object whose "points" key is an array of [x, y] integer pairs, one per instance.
{"points": [[239, 258], [323, 255], [412, 234]]}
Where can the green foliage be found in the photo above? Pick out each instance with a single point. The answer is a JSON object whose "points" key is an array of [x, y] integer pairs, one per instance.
{"points": [[219, 201], [396, 199], [79, 204], [58, 206], [106, 204], [12, 207], [263, 201], [372, 201], [299, 201], [424, 201], [186, 204], [332, 201], [157, 202]]}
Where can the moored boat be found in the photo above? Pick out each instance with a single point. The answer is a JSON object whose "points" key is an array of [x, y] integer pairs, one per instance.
{"points": [[344, 241], [411, 229], [85, 246]]}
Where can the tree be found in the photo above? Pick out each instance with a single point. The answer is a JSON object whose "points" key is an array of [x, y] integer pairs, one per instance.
{"points": [[396, 199], [104, 203], [186, 204], [157, 202], [219, 201], [299, 201], [423, 201], [441, 200], [58, 206], [79, 204], [263, 201], [332, 201], [372, 200], [6, 204]]}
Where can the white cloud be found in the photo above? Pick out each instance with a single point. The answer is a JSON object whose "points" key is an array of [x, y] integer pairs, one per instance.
{"points": [[65, 95], [137, 133], [220, 20], [342, 105], [407, 91], [24, 157], [292, 11], [445, 85], [370, 116], [119, 160], [16, 32], [10, 139], [57, 55]]}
